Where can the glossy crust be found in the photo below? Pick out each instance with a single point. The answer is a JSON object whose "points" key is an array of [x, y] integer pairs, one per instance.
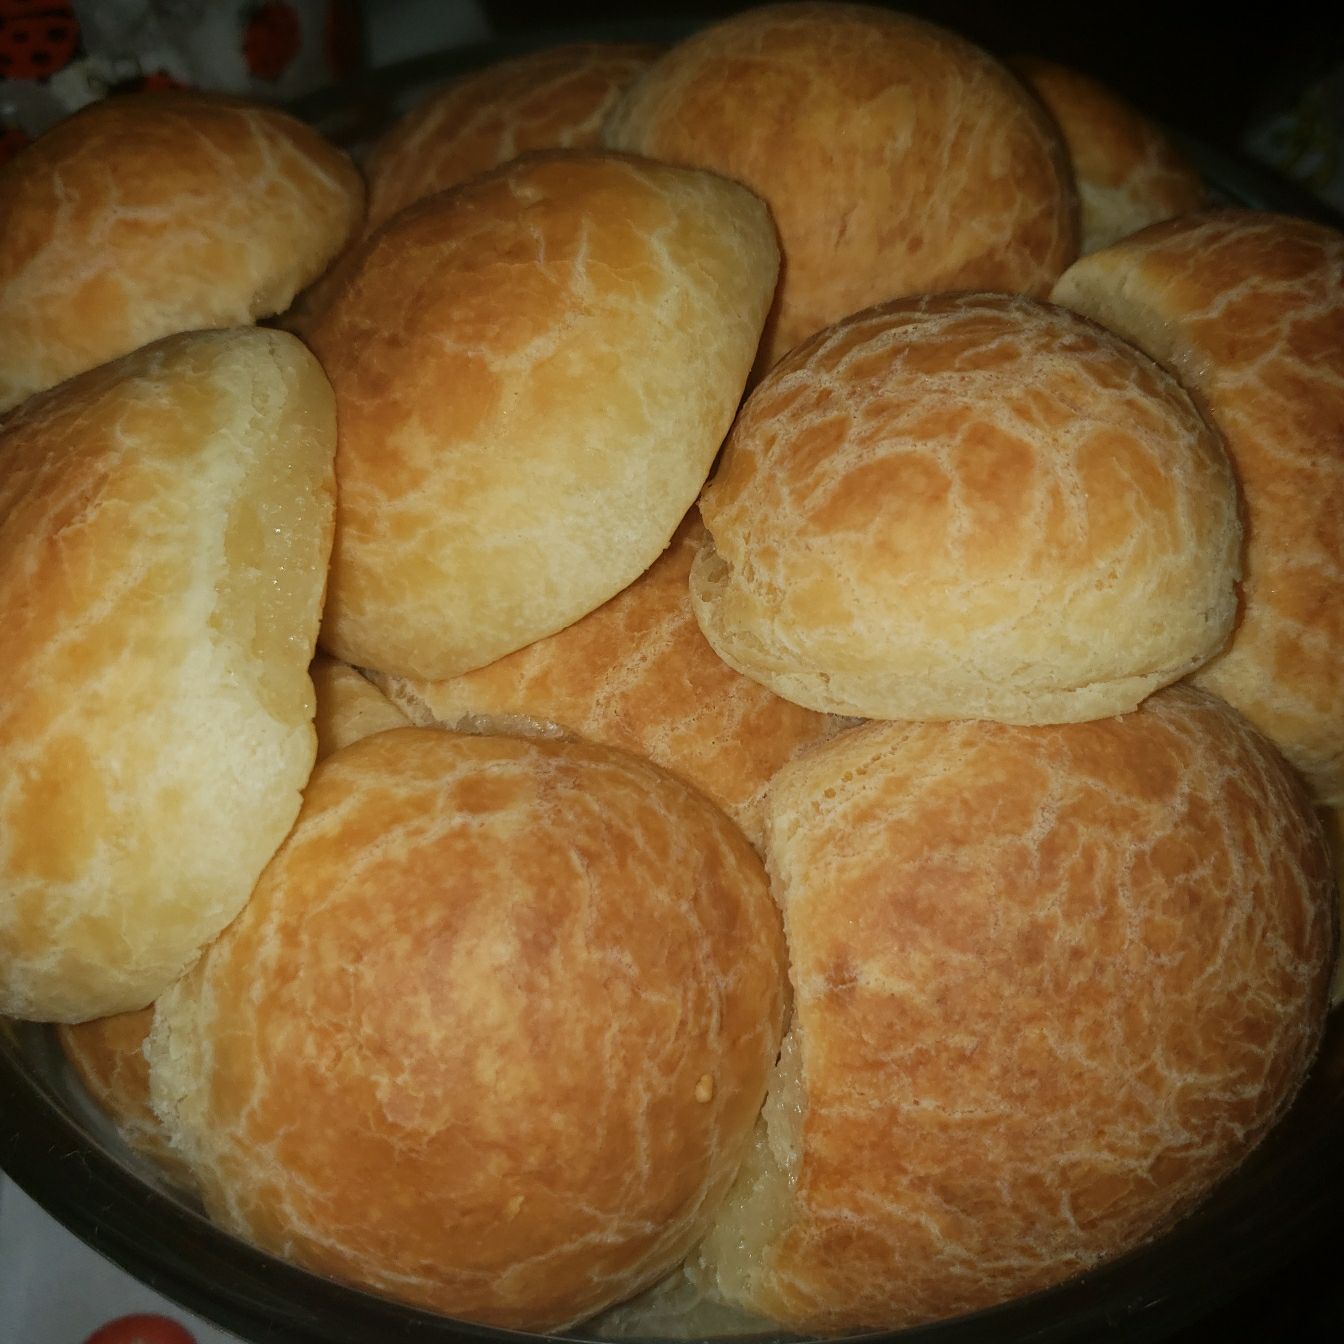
{"points": [[551, 99], [1050, 985], [1248, 309], [492, 1033], [146, 215], [533, 374], [165, 523], [896, 157], [1128, 172], [968, 506], [638, 674]]}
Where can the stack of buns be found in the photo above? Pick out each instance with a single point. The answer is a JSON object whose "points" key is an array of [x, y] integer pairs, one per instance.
{"points": [[737, 738]]}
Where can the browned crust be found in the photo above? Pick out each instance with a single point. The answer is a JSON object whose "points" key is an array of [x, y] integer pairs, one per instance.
{"points": [[152, 214], [896, 157], [492, 1032]]}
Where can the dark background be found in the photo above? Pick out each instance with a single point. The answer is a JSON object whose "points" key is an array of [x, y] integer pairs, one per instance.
{"points": [[1211, 72]]}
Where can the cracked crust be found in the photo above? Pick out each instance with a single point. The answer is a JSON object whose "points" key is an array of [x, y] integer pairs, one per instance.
{"points": [[470, 524], [552, 99], [638, 674], [1128, 172], [492, 1033], [165, 522], [968, 506], [1247, 308], [896, 157], [146, 215], [1050, 985]]}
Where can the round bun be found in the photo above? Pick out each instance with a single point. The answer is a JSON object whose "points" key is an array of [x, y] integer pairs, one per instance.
{"points": [[968, 506], [151, 214], [1051, 984], [551, 99], [349, 706], [1128, 172], [595, 318], [638, 674], [165, 523], [1247, 308], [492, 1033], [896, 157]]}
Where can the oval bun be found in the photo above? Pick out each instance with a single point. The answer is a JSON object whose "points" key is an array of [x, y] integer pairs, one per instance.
{"points": [[151, 214], [968, 506], [488, 495], [1247, 308], [896, 157], [165, 523], [1051, 984], [491, 1034]]}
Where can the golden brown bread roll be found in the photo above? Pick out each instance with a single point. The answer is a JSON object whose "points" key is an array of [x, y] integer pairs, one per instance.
{"points": [[638, 674], [551, 99], [896, 157], [349, 706], [1247, 308], [146, 215], [165, 522], [533, 374], [1050, 985], [1127, 170], [491, 1034], [968, 506]]}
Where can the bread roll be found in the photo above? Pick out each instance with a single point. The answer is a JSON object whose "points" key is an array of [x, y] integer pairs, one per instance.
{"points": [[1248, 309], [1050, 985], [165, 522], [151, 214], [533, 374], [1127, 170], [896, 157], [551, 99], [492, 1033], [638, 674], [968, 506], [349, 707]]}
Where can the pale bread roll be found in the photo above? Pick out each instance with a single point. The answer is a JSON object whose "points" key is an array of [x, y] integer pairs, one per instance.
{"points": [[551, 99], [968, 506], [638, 674], [349, 706], [107, 1053], [492, 1033], [896, 157], [165, 523], [1128, 171], [1247, 308], [534, 373], [146, 215], [1051, 984]]}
